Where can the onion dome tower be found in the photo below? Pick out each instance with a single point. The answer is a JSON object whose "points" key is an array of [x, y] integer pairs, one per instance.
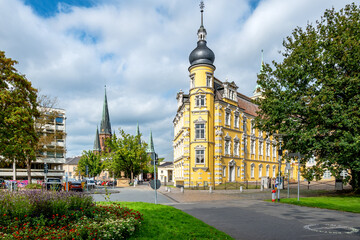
{"points": [[201, 54]]}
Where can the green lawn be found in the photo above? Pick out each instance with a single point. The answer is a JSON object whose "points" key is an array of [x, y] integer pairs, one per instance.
{"points": [[340, 203], [166, 222]]}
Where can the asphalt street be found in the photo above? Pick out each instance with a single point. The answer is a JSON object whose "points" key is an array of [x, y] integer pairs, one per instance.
{"points": [[253, 219]]}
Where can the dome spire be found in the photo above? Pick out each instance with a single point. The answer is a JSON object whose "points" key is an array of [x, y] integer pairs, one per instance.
{"points": [[202, 31]]}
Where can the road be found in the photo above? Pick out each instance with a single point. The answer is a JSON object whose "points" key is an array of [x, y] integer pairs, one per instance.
{"points": [[251, 218]]}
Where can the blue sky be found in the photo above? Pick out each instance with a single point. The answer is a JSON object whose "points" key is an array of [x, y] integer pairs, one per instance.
{"points": [[70, 49]]}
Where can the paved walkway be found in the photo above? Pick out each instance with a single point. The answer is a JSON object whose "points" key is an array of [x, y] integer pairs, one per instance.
{"points": [[245, 216]]}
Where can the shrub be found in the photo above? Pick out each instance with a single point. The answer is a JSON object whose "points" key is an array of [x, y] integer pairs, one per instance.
{"points": [[33, 186], [48, 215]]}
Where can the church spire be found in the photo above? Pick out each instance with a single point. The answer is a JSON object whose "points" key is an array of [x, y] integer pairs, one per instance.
{"points": [[105, 127], [150, 148], [97, 147], [138, 132]]}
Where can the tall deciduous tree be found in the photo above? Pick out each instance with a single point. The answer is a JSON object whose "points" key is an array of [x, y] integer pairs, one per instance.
{"points": [[18, 109], [93, 161], [127, 153], [313, 95]]}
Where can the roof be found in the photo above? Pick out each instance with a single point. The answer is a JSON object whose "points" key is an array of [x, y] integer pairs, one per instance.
{"points": [[166, 165], [244, 102], [72, 160]]}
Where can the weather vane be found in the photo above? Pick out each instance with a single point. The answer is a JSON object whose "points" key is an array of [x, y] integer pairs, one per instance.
{"points": [[202, 5]]}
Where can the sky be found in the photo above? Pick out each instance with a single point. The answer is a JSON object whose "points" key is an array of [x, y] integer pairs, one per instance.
{"points": [[139, 49]]}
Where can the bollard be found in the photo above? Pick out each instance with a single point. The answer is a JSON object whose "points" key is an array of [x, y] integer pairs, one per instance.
{"points": [[169, 189], [273, 195], [210, 189], [241, 189], [182, 189]]}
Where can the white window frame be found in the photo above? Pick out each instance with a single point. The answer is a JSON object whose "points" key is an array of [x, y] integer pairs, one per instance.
{"points": [[224, 171], [236, 121], [252, 146], [268, 149], [267, 170], [252, 127], [261, 148], [199, 132], [227, 118], [200, 100], [252, 170], [236, 148], [274, 171], [238, 171], [260, 170], [227, 147], [200, 156]]}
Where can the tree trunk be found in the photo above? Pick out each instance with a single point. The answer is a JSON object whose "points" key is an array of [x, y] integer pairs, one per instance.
{"points": [[132, 176], [28, 170], [355, 180]]}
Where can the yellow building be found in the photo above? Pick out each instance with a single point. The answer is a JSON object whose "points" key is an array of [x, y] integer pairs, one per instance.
{"points": [[214, 136]]}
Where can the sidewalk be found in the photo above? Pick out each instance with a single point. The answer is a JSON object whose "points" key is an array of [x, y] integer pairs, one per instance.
{"points": [[220, 195]]}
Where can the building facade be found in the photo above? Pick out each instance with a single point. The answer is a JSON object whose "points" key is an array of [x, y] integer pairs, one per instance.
{"points": [[215, 140], [53, 152]]}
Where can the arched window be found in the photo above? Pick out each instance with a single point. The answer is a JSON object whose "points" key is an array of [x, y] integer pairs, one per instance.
{"points": [[274, 171], [252, 170], [267, 170], [260, 170]]}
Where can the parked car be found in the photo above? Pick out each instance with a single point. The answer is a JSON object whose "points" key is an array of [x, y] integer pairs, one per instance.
{"points": [[90, 183], [74, 185], [53, 184]]}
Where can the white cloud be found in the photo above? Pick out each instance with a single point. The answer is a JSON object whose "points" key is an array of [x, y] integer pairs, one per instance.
{"points": [[140, 50]]}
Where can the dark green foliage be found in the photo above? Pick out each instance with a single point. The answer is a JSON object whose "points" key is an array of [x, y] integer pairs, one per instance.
{"points": [[126, 155], [313, 95], [18, 109], [93, 161]]}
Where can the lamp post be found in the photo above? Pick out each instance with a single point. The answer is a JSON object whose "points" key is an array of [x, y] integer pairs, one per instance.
{"points": [[299, 156]]}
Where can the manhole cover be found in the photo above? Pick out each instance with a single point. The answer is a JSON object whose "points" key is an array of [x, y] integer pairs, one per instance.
{"points": [[331, 228]]}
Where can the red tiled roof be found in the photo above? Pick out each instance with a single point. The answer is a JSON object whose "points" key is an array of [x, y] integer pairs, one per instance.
{"points": [[245, 103]]}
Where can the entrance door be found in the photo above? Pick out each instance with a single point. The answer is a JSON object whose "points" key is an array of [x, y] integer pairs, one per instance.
{"points": [[232, 173]]}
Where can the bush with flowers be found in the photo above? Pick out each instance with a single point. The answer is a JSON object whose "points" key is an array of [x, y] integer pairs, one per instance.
{"points": [[63, 215]]}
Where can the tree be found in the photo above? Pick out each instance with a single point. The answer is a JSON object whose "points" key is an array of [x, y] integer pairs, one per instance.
{"points": [[313, 95], [127, 153], [18, 109], [93, 161]]}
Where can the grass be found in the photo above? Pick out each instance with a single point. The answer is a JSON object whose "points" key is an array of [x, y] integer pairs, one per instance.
{"points": [[346, 203], [166, 222]]}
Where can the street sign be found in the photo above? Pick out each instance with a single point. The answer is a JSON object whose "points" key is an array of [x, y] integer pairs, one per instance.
{"points": [[152, 184]]}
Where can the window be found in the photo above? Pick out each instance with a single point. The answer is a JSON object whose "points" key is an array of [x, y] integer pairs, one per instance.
{"points": [[227, 118], [59, 155], [224, 171], [244, 125], [227, 147], [50, 154], [252, 127], [200, 101], [236, 148], [208, 80], [252, 169], [252, 146], [261, 148], [236, 121], [267, 149], [327, 174], [274, 171], [238, 171], [200, 131], [274, 150], [260, 170], [267, 170], [59, 120], [192, 81], [200, 156]]}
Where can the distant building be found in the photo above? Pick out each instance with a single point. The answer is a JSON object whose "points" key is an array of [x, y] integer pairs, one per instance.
{"points": [[53, 153], [165, 173], [70, 167]]}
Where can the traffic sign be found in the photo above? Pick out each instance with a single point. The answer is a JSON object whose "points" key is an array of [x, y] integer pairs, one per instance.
{"points": [[152, 184]]}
